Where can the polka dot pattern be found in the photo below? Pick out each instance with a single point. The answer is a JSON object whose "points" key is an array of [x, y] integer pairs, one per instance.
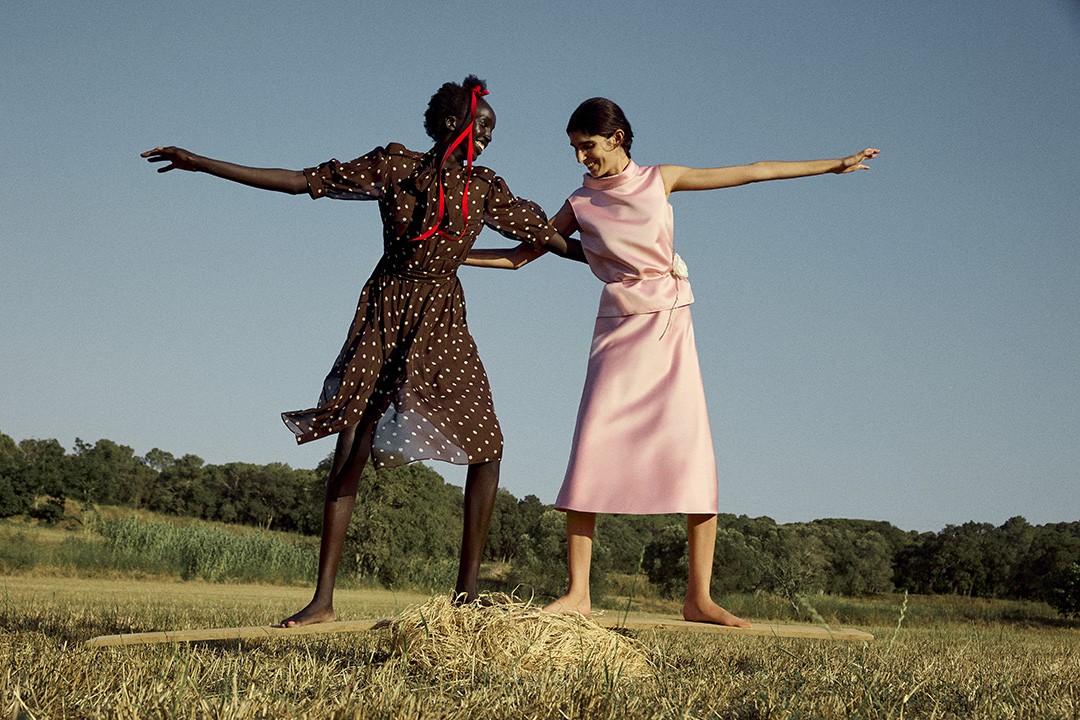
{"points": [[409, 357]]}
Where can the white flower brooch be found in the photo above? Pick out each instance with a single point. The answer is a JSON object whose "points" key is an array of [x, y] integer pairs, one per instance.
{"points": [[678, 267]]}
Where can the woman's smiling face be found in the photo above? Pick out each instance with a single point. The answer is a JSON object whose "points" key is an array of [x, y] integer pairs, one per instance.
{"points": [[483, 124], [601, 156]]}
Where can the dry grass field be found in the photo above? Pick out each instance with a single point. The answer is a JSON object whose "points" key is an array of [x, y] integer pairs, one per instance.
{"points": [[938, 664]]}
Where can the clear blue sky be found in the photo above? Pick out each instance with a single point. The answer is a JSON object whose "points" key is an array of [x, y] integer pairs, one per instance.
{"points": [[899, 344]]}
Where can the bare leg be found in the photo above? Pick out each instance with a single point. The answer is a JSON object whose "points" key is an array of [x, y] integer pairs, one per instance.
{"points": [[481, 485], [579, 537], [350, 456], [699, 606]]}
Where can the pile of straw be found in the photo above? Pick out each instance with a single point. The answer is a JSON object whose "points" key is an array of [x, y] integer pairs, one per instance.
{"points": [[464, 639]]}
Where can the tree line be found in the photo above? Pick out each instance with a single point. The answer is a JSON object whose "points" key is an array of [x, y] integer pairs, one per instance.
{"points": [[408, 520]]}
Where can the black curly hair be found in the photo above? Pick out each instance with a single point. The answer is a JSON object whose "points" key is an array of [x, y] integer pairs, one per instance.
{"points": [[452, 100]]}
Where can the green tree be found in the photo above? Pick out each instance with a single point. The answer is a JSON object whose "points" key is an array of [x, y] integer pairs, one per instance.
{"points": [[665, 560], [407, 520], [179, 488], [738, 562], [859, 558], [507, 525], [1005, 550], [795, 561], [1053, 549], [15, 496], [874, 558], [46, 468], [105, 473], [531, 509], [912, 563], [1064, 594], [625, 537], [959, 562]]}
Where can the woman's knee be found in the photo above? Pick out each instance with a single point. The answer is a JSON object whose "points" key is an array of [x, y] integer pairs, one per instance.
{"points": [[484, 470], [350, 456]]}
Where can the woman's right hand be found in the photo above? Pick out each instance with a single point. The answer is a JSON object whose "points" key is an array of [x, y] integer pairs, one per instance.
{"points": [[178, 158], [291, 182]]}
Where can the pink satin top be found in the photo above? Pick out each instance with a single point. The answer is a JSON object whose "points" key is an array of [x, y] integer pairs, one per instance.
{"points": [[627, 233]]}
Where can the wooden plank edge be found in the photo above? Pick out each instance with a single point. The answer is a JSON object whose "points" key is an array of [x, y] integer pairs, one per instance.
{"points": [[660, 624], [235, 633], [757, 629]]}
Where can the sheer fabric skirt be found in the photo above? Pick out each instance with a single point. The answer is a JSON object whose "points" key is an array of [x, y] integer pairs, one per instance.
{"points": [[410, 361]]}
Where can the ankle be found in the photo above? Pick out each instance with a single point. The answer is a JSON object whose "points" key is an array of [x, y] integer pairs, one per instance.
{"points": [[698, 600]]}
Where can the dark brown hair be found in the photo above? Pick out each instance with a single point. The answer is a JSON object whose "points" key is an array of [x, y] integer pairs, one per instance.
{"points": [[600, 116]]}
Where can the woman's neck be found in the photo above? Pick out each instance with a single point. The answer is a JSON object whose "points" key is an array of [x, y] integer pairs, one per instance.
{"points": [[620, 163]]}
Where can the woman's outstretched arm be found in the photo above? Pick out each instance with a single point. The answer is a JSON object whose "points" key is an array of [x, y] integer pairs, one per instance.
{"points": [[677, 177], [276, 179], [503, 258], [517, 257]]}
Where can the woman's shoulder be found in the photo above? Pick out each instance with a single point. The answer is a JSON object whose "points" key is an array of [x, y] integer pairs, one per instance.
{"points": [[384, 152], [401, 151], [486, 174]]}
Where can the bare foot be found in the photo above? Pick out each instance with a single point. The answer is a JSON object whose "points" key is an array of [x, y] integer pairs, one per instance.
{"points": [[710, 612], [567, 605], [313, 613]]}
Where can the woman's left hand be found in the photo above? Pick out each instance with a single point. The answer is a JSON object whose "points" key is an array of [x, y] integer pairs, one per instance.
{"points": [[857, 161]]}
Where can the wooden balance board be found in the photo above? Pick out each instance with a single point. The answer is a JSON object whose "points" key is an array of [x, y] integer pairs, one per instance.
{"points": [[345, 626]]}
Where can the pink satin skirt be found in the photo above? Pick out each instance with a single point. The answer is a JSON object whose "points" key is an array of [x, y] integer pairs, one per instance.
{"points": [[642, 444]]}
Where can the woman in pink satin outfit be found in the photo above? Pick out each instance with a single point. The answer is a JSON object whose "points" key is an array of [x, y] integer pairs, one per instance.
{"points": [[642, 443]]}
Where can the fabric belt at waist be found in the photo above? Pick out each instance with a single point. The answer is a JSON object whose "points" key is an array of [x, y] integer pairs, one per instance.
{"points": [[421, 276]]}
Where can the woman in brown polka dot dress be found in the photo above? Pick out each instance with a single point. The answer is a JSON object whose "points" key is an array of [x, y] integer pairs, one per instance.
{"points": [[408, 384]]}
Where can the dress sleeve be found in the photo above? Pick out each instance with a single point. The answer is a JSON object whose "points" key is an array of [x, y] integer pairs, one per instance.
{"points": [[359, 179], [514, 217]]}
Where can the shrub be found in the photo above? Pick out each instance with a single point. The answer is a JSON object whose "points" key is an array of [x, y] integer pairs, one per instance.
{"points": [[49, 511], [666, 562], [1065, 594], [17, 552]]}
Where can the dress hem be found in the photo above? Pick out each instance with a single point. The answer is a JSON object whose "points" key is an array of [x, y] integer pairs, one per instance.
{"points": [[714, 511]]}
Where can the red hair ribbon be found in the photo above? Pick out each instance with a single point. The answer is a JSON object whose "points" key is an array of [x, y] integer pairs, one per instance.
{"points": [[477, 93]]}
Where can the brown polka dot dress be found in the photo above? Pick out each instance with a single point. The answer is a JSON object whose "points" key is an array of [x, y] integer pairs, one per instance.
{"points": [[409, 359]]}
